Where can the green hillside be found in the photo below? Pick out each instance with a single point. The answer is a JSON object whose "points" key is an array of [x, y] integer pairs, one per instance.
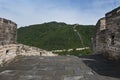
{"points": [[53, 35]]}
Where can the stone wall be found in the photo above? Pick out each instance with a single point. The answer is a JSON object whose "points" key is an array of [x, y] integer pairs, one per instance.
{"points": [[8, 47], [8, 31], [113, 20], [113, 35], [107, 40], [10, 51], [99, 37]]}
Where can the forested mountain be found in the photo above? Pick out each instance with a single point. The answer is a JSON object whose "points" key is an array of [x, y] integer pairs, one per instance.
{"points": [[54, 35]]}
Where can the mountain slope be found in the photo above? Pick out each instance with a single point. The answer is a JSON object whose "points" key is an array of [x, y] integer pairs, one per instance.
{"points": [[54, 35]]}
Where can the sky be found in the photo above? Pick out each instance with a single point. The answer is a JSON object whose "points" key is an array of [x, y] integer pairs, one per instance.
{"points": [[28, 12]]}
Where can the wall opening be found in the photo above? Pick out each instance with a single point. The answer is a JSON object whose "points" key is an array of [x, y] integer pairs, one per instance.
{"points": [[7, 51], [112, 38]]}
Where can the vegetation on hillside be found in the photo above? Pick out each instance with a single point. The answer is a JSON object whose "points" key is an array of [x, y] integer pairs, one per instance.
{"points": [[75, 52], [54, 36]]}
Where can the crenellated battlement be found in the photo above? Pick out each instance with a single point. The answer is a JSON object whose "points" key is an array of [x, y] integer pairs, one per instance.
{"points": [[6, 21]]}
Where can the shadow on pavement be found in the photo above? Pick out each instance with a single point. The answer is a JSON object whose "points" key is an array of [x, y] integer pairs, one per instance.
{"points": [[102, 66]]}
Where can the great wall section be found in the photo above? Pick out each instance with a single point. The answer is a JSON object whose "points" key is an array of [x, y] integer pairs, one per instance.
{"points": [[9, 48], [107, 36], [22, 62]]}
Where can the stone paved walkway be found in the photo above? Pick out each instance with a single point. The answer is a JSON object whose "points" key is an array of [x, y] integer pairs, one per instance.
{"points": [[61, 68]]}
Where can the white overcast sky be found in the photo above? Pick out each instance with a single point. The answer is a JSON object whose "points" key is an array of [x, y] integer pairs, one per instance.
{"points": [[28, 12]]}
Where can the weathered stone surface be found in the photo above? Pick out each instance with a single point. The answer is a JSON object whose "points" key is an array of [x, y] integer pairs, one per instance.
{"points": [[107, 36], [92, 67], [8, 31], [99, 37], [10, 51]]}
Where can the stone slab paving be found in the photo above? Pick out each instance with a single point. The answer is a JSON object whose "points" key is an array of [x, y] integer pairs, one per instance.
{"points": [[56, 68]]}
